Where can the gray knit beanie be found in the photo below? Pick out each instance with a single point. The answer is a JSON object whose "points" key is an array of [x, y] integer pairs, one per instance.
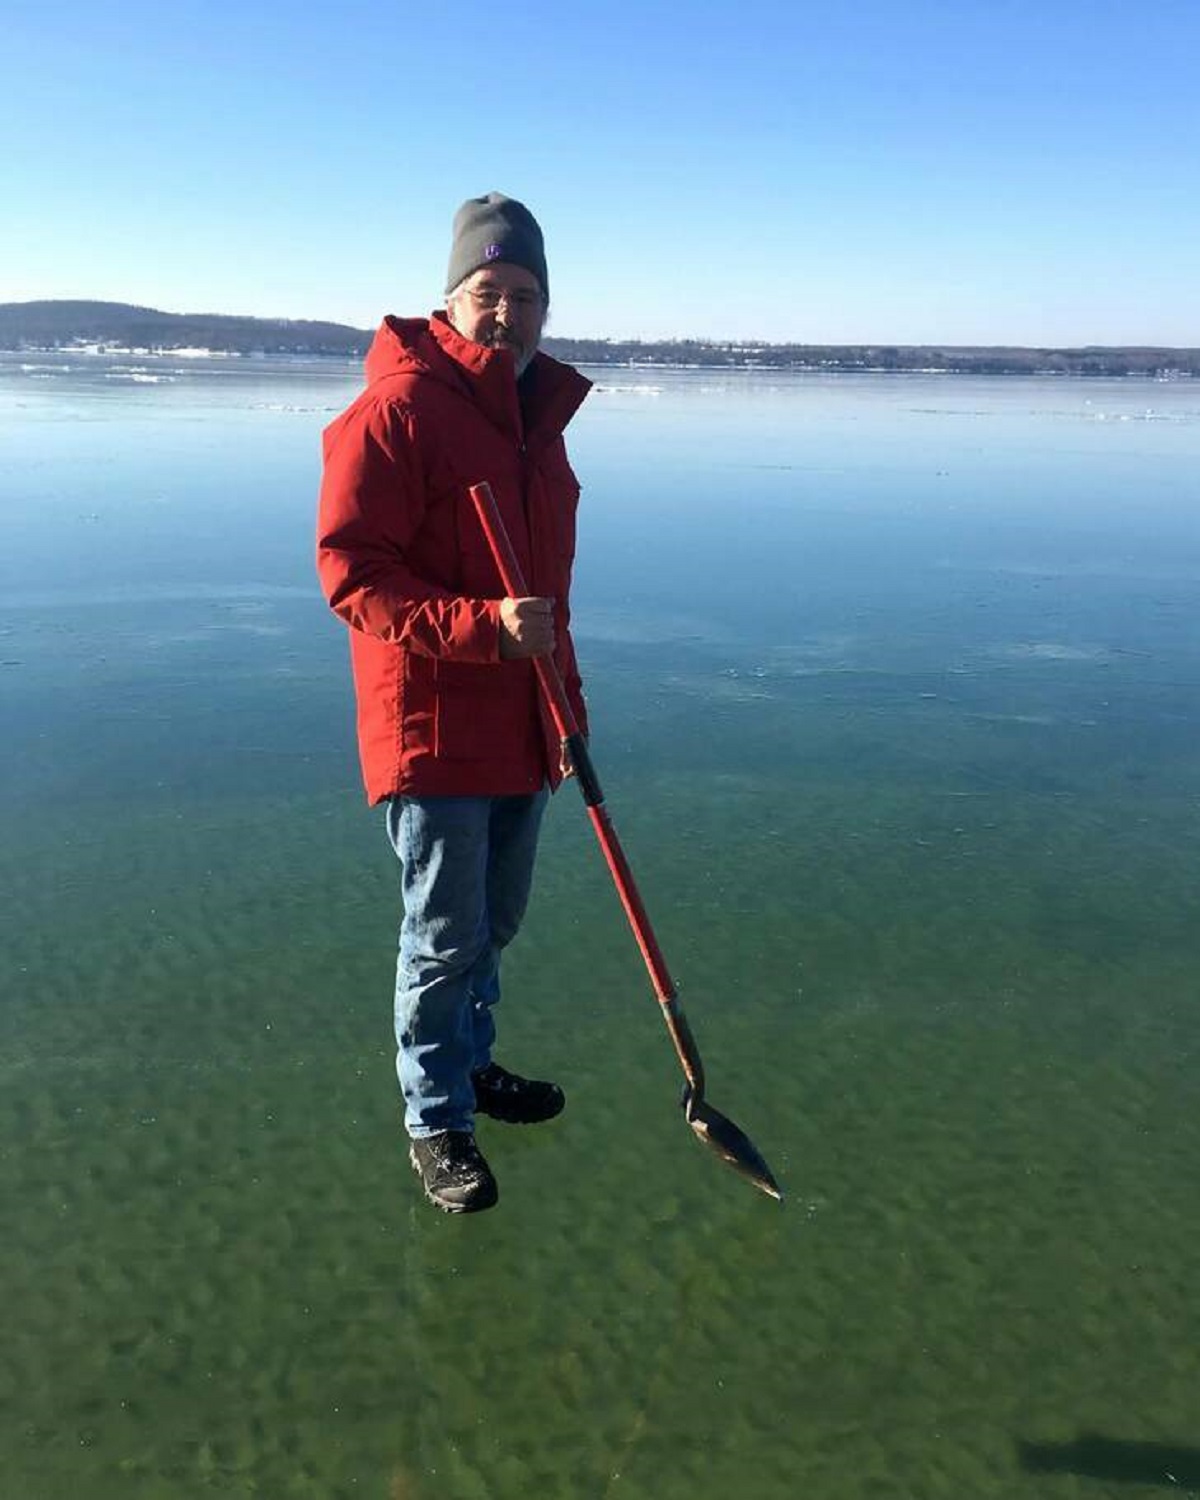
{"points": [[496, 228]]}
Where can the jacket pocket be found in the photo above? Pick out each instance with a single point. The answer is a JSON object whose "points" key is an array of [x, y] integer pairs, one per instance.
{"points": [[558, 499], [481, 710]]}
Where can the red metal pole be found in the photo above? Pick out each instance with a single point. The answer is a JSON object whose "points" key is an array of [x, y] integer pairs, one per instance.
{"points": [[564, 721]]}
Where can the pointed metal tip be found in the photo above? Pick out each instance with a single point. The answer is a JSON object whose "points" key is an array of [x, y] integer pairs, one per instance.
{"points": [[763, 1179]]}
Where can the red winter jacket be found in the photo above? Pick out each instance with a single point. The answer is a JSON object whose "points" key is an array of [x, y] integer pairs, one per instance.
{"points": [[403, 561]]}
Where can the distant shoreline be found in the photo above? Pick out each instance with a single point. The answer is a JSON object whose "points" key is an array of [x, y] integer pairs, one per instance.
{"points": [[123, 330]]}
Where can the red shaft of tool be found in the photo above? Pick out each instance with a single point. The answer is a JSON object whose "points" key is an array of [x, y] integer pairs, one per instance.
{"points": [[564, 721]]}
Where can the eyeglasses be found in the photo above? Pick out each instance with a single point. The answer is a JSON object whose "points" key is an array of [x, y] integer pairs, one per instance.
{"points": [[489, 298]]}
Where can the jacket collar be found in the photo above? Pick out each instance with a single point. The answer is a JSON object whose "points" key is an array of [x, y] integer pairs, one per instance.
{"points": [[550, 392]]}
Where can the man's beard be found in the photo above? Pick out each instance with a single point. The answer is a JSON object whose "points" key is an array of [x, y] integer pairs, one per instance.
{"points": [[522, 354]]}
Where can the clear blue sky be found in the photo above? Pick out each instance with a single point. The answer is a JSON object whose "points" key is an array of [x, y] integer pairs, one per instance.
{"points": [[1021, 171]]}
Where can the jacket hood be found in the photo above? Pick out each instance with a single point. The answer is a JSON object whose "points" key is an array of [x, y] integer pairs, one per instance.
{"points": [[401, 346]]}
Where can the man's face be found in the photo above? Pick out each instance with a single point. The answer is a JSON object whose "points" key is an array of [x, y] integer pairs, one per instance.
{"points": [[501, 307]]}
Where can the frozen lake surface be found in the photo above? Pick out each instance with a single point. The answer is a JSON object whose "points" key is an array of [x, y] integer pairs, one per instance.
{"points": [[895, 689]]}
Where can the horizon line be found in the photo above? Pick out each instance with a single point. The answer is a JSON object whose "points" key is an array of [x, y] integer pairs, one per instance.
{"points": [[608, 338]]}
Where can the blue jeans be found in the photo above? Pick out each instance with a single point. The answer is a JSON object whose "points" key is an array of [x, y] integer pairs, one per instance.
{"points": [[466, 867]]}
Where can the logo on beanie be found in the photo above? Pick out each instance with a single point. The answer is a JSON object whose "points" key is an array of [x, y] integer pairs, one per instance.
{"points": [[492, 252]]}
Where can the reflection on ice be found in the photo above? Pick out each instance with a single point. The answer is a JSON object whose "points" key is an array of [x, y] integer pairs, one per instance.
{"points": [[1055, 651], [636, 625], [191, 593]]}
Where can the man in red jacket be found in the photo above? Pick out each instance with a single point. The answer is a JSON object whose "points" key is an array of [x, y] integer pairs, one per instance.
{"points": [[451, 730]]}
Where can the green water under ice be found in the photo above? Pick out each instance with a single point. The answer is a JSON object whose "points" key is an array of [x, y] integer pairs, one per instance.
{"points": [[895, 689]]}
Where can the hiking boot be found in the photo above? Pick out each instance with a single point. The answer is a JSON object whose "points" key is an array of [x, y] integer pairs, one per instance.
{"points": [[515, 1100], [453, 1172]]}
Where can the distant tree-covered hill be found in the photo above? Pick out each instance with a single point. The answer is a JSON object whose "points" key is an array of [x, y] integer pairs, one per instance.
{"points": [[61, 325], [880, 357]]}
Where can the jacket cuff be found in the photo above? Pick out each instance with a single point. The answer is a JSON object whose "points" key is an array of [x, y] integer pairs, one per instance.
{"points": [[476, 633]]}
